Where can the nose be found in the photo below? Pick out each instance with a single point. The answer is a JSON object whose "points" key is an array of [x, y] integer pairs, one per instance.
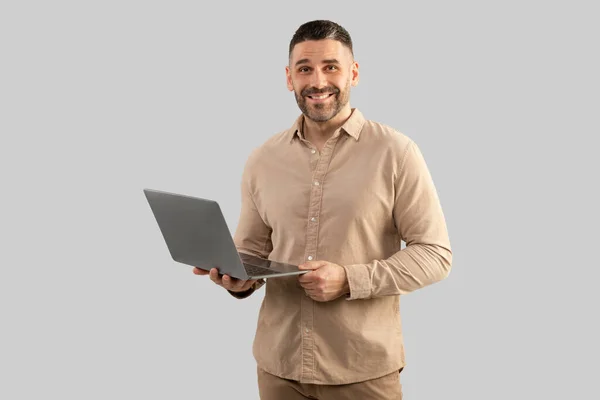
{"points": [[318, 79]]}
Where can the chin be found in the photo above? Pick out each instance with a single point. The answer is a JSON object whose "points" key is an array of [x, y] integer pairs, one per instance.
{"points": [[319, 119], [324, 117]]}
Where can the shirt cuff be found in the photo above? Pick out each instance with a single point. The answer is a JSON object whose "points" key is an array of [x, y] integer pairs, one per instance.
{"points": [[247, 293], [359, 281]]}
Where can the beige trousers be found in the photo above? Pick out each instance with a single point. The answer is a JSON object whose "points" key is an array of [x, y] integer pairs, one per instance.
{"points": [[272, 387]]}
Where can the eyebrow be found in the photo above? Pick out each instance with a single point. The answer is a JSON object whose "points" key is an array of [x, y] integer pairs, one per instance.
{"points": [[328, 61]]}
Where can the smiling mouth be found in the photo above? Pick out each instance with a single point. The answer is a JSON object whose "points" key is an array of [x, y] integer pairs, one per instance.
{"points": [[320, 96]]}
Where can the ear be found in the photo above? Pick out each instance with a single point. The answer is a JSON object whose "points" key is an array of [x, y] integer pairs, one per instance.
{"points": [[355, 76], [289, 79]]}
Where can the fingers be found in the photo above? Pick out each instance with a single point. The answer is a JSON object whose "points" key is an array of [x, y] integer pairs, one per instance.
{"points": [[309, 285], [308, 265], [236, 285], [229, 283], [199, 271], [214, 276], [311, 276], [245, 285]]}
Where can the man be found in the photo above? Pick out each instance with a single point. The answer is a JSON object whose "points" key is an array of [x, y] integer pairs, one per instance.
{"points": [[336, 193]]}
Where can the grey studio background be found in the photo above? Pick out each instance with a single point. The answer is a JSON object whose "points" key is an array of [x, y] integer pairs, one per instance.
{"points": [[102, 99]]}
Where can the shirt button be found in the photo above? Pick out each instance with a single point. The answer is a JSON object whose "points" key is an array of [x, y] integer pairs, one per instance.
{"points": [[310, 258], [313, 151], [313, 219], [306, 330], [316, 183]]}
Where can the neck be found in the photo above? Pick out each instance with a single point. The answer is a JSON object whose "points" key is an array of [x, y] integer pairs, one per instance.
{"points": [[320, 132]]}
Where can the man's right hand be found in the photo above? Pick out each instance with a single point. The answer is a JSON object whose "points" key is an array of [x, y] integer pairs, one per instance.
{"points": [[225, 281]]}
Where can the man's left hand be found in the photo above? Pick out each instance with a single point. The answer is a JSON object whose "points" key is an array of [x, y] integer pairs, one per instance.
{"points": [[326, 281]]}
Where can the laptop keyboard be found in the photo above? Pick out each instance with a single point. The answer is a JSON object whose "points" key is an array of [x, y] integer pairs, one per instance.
{"points": [[253, 270]]}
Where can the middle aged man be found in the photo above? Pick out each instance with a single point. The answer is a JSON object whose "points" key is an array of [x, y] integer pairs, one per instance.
{"points": [[335, 193]]}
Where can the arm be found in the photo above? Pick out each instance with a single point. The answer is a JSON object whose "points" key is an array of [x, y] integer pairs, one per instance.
{"points": [[252, 235], [419, 219]]}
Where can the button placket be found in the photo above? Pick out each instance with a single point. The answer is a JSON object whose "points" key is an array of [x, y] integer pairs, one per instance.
{"points": [[308, 357], [311, 253], [313, 158], [316, 196]]}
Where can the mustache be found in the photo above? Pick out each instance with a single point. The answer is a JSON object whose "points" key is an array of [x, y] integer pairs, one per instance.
{"points": [[313, 91]]}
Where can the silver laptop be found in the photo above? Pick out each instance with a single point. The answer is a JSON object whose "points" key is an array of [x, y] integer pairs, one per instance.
{"points": [[196, 234]]}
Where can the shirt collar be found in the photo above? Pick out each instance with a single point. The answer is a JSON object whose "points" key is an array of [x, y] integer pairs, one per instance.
{"points": [[353, 125]]}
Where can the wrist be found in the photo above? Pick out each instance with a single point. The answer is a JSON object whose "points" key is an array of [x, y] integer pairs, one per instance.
{"points": [[241, 294], [239, 291]]}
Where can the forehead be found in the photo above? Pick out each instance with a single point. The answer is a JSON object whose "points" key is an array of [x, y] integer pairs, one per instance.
{"points": [[318, 50]]}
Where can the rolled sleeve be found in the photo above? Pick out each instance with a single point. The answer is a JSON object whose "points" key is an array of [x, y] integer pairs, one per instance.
{"points": [[359, 281]]}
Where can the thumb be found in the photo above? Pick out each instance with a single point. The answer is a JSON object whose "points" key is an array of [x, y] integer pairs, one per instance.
{"points": [[312, 265]]}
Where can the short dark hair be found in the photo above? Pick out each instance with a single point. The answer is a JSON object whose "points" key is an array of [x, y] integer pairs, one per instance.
{"points": [[320, 30]]}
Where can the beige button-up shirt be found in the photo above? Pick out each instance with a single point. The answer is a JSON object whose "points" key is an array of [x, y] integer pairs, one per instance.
{"points": [[351, 204]]}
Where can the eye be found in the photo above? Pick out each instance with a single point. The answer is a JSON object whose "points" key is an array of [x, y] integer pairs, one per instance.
{"points": [[332, 67], [303, 69]]}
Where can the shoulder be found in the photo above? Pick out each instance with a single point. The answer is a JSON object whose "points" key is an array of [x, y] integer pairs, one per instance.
{"points": [[269, 147], [386, 139], [276, 141]]}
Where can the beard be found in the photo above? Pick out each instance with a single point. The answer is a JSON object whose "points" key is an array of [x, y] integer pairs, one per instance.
{"points": [[322, 112]]}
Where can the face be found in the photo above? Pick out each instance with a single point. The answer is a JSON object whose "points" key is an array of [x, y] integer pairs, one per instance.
{"points": [[320, 75]]}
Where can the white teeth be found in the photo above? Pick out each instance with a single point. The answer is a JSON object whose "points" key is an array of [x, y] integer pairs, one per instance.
{"points": [[320, 97]]}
